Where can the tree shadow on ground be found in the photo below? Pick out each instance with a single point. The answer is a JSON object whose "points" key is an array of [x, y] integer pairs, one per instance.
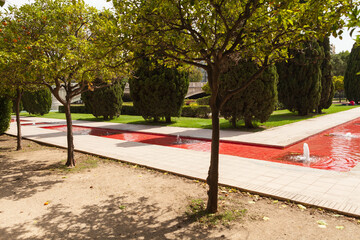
{"points": [[16, 177], [114, 218]]}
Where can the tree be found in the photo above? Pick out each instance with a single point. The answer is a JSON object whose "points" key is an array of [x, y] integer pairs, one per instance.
{"points": [[327, 86], [195, 74], [257, 102], [339, 63], [352, 78], [300, 79], [106, 101], [5, 113], [37, 102], [338, 82], [207, 33], [158, 91], [68, 45]]}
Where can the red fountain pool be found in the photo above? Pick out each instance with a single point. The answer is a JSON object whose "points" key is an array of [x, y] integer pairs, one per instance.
{"points": [[333, 149]]}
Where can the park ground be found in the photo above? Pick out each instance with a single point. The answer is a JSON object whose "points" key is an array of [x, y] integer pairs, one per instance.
{"points": [[105, 199]]}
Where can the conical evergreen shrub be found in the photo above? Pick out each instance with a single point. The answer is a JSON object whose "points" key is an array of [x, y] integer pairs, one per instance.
{"points": [[106, 101], [37, 102], [352, 76], [5, 113], [158, 91], [299, 85], [257, 101]]}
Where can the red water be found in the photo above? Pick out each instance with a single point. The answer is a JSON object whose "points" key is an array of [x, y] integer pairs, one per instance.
{"points": [[331, 148]]}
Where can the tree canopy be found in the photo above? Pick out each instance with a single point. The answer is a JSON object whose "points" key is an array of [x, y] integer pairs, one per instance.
{"points": [[207, 33]]}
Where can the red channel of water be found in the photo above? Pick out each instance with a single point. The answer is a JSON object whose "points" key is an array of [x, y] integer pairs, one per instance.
{"points": [[332, 149]]}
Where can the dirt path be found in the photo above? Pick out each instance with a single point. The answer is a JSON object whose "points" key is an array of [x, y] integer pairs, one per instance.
{"points": [[102, 199]]}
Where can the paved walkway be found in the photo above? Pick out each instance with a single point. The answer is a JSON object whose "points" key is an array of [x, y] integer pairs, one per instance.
{"points": [[326, 189]]}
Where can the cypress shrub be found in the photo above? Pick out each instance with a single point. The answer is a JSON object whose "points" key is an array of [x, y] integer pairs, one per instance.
{"points": [[106, 101], [37, 102], [158, 91], [299, 85], [327, 85], [352, 78], [5, 113], [257, 101]]}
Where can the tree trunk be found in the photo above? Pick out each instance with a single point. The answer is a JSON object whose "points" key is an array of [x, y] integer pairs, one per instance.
{"points": [[18, 124], [248, 122], [70, 139], [233, 121], [213, 175], [168, 119]]}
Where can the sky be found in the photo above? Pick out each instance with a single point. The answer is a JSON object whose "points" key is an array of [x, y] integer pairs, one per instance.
{"points": [[340, 45]]}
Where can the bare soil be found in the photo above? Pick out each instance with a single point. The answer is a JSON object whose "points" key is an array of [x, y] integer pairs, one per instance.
{"points": [[104, 199]]}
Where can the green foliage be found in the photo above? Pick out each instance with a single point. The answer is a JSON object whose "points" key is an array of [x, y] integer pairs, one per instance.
{"points": [[300, 79], [37, 102], [203, 100], [74, 109], [195, 74], [257, 102], [129, 110], [339, 63], [327, 86], [158, 91], [199, 111], [105, 101], [352, 77], [5, 113]]}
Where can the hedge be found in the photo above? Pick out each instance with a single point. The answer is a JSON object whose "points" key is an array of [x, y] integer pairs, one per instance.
{"points": [[200, 111], [74, 109]]}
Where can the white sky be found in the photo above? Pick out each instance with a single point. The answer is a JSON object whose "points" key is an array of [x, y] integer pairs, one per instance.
{"points": [[340, 45]]}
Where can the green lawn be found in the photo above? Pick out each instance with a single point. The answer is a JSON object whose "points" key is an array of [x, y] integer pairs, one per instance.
{"points": [[278, 118]]}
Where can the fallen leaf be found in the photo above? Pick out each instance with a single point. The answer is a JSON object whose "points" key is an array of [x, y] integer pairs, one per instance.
{"points": [[266, 218], [302, 207], [63, 177], [140, 175], [122, 207], [251, 202], [275, 201], [321, 223], [339, 227], [283, 206], [336, 215], [165, 173], [46, 203]]}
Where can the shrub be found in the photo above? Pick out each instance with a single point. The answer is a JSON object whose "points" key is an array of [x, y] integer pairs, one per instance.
{"points": [[5, 113], [352, 77], [299, 85], [158, 91], [200, 111], [203, 100], [106, 101], [74, 109], [257, 101], [37, 102]]}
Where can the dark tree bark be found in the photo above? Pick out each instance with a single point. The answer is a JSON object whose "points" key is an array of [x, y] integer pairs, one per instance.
{"points": [[248, 122], [168, 119], [70, 138], [18, 124], [233, 121]]}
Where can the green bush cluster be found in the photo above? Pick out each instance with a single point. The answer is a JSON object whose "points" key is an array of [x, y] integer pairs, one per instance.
{"points": [[74, 109], [199, 111], [203, 100], [352, 77], [158, 91], [37, 102], [105, 101], [5, 113]]}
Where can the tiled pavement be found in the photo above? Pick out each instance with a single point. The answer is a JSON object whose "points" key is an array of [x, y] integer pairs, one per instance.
{"points": [[339, 191]]}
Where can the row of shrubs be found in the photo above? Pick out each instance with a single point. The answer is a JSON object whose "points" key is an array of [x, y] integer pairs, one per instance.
{"points": [[200, 111]]}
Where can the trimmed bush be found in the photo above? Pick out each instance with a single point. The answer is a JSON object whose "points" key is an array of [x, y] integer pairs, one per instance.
{"points": [[257, 101], [199, 111], [352, 78], [37, 102], [5, 113], [299, 85], [74, 109], [106, 101], [327, 85], [158, 91], [203, 100], [129, 110]]}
